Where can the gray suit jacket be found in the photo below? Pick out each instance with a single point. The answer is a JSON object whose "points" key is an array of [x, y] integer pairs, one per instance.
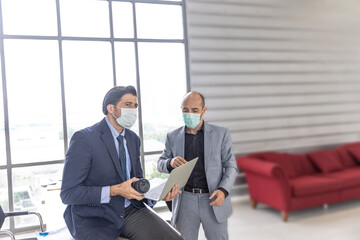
{"points": [[220, 164]]}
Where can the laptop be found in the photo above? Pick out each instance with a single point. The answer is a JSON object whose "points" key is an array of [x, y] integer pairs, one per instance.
{"points": [[180, 175]]}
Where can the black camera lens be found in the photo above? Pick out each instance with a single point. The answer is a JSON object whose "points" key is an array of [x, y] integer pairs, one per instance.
{"points": [[142, 186]]}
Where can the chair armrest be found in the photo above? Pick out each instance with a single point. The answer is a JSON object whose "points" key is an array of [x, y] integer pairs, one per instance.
{"points": [[16, 214], [259, 167], [40, 220], [8, 233]]}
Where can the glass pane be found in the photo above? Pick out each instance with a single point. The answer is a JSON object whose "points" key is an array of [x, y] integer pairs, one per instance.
{"points": [[123, 20], [151, 167], [28, 192], [34, 99], [2, 126], [126, 69], [2, 141], [88, 76], [84, 18], [29, 17], [159, 21], [163, 84], [125, 64], [4, 199], [151, 172]]}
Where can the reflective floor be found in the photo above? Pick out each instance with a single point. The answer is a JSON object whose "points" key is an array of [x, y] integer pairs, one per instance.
{"points": [[335, 222]]}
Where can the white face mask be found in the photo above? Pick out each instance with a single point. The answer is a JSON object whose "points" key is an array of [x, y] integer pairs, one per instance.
{"points": [[128, 117]]}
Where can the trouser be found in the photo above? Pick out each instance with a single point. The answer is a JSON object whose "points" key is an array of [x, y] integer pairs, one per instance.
{"points": [[142, 224], [194, 210]]}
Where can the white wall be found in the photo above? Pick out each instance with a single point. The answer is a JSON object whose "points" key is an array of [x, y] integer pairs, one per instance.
{"points": [[281, 74]]}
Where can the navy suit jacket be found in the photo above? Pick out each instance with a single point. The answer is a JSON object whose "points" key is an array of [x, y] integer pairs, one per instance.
{"points": [[92, 163]]}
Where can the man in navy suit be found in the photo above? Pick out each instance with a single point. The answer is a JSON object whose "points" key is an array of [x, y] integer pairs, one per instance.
{"points": [[101, 163]]}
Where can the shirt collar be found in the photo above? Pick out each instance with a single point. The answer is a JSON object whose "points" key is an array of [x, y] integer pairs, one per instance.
{"points": [[202, 126], [114, 132]]}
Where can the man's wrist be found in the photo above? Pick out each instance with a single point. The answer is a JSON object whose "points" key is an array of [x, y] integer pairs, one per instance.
{"points": [[169, 167], [112, 191], [224, 191]]}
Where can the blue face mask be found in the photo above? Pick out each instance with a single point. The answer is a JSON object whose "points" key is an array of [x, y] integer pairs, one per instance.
{"points": [[191, 120]]}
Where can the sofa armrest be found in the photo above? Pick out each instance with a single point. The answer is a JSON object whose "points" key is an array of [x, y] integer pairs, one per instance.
{"points": [[267, 183], [263, 168]]}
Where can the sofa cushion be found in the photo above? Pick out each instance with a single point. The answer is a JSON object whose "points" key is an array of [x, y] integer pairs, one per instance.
{"points": [[305, 165], [283, 161], [355, 152], [258, 155], [301, 163], [293, 165], [326, 161], [349, 177], [353, 144], [312, 185], [345, 157]]}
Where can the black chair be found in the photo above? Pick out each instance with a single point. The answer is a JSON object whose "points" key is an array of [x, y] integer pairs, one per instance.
{"points": [[15, 214]]}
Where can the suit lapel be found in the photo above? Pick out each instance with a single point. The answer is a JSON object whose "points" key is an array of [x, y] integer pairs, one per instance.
{"points": [[180, 143], [207, 144], [108, 140]]}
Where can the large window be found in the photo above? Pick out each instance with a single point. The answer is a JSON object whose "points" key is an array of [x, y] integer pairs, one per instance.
{"points": [[58, 59]]}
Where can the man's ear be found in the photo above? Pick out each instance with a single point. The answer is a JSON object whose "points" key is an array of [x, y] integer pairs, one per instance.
{"points": [[203, 112], [110, 108]]}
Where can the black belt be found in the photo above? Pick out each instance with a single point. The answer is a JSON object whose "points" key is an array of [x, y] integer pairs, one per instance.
{"points": [[196, 190]]}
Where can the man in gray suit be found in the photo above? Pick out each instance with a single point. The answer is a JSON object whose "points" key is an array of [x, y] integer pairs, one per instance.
{"points": [[205, 198]]}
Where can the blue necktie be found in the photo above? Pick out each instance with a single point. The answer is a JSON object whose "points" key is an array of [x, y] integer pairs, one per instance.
{"points": [[122, 155]]}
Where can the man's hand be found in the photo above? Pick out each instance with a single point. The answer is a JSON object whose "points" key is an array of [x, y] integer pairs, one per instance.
{"points": [[177, 161], [125, 190], [172, 194], [220, 197]]}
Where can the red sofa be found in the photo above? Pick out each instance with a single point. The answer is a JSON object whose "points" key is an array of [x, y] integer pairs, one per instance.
{"points": [[290, 182]]}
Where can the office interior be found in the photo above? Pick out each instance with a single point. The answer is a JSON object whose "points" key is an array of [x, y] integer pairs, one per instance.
{"points": [[282, 75]]}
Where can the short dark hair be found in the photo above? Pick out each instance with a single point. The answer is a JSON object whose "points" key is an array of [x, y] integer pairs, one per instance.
{"points": [[114, 95]]}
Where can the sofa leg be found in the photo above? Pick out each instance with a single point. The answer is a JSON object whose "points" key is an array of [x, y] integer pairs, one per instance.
{"points": [[285, 216], [254, 204]]}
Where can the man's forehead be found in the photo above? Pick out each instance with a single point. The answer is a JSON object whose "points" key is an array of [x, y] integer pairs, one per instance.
{"points": [[191, 101], [128, 98], [191, 107]]}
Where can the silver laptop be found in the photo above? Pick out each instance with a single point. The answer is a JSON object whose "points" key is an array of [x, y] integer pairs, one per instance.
{"points": [[180, 175]]}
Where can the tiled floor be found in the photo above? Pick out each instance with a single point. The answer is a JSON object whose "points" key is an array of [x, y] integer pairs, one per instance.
{"points": [[336, 222]]}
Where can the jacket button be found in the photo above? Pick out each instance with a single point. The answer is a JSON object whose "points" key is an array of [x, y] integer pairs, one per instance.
{"points": [[122, 215]]}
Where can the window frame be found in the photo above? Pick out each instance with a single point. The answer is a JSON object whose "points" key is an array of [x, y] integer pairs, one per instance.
{"points": [[9, 166]]}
